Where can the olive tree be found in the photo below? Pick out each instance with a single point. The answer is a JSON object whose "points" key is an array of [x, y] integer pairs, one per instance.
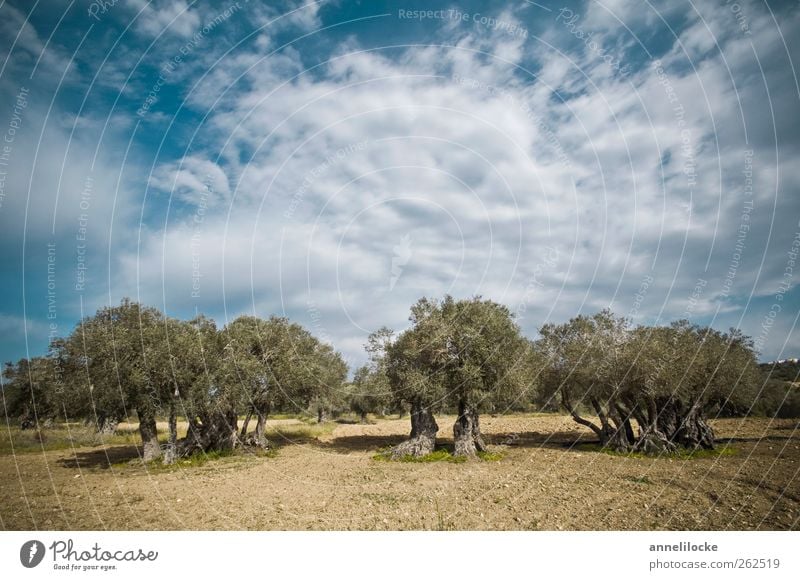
{"points": [[585, 362], [325, 374], [666, 379], [484, 360], [370, 391], [115, 348], [184, 365], [469, 354], [415, 377], [274, 363], [680, 375], [29, 393]]}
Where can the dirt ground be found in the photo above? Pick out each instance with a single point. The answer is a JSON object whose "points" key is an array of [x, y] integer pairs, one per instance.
{"points": [[327, 478]]}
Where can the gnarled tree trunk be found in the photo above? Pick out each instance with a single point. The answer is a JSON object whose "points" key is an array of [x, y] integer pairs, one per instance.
{"points": [[26, 420], [654, 439], [216, 430], [245, 425], [467, 432], [147, 430], [612, 428], [695, 432], [690, 427], [614, 432], [171, 450], [685, 425], [423, 433], [623, 417], [615, 438], [106, 425], [569, 406], [259, 439]]}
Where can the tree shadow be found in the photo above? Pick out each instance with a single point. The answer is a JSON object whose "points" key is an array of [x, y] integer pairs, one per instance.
{"points": [[536, 440], [351, 443], [754, 439], [530, 440], [101, 458]]}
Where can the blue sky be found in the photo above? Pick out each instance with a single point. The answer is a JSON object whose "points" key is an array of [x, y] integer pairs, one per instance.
{"points": [[334, 161]]}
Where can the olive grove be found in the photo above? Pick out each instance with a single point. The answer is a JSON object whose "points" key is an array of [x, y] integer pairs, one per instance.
{"points": [[131, 359], [666, 380], [648, 389]]}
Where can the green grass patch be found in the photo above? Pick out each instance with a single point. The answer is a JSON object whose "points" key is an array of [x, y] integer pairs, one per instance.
{"points": [[643, 479], [440, 454], [437, 455], [198, 459], [491, 456]]}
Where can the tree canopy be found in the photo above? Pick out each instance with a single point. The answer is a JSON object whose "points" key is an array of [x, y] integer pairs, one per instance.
{"points": [[646, 388]]}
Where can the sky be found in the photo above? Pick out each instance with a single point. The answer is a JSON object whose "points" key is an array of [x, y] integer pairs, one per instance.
{"points": [[335, 161]]}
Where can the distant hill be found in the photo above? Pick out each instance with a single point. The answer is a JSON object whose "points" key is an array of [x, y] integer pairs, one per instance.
{"points": [[782, 370], [780, 391]]}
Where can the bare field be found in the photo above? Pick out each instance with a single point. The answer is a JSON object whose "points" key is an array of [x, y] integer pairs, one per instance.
{"points": [[326, 478]]}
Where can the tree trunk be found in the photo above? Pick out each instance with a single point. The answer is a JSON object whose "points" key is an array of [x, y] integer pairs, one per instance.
{"points": [[322, 415], [259, 438], [567, 402], [655, 435], [684, 424], [26, 420], [467, 432], [615, 434], [693, 431], [422, 440], [217, 430], [625, 416], [245, 425], [106, 425], [363, 418], [149, 433], [653, 441], [223, 432], [171, 451], [615, 438]]}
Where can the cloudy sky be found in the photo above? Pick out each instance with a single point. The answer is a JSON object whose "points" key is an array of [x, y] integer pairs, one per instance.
{"points": [[334, 161]]}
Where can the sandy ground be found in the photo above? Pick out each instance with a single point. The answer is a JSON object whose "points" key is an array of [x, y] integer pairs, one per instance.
{"points": [[331, 481]]}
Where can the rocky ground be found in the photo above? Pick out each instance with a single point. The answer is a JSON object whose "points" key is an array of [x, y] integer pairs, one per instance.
{"points": [[327, 478]]}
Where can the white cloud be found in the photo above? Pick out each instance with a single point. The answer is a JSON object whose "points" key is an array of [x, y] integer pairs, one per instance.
{"points": [[193, 180], [554, 194], [469, 169], [166, 17]]}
